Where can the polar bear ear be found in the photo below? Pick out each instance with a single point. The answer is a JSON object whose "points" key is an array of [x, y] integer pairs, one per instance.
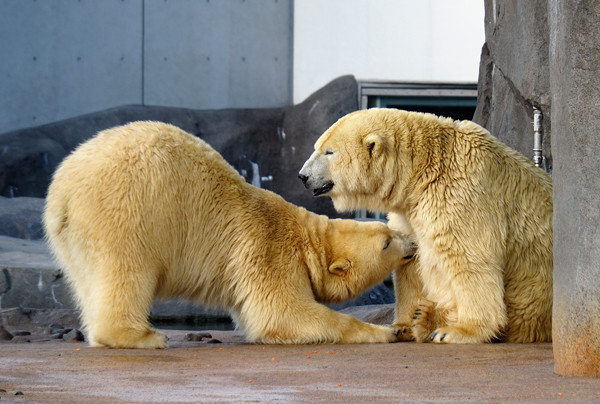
{"points": [[340, 267], [374, 144]]}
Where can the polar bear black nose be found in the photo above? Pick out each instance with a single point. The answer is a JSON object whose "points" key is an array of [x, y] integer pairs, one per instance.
{"points": [[303, 177]]}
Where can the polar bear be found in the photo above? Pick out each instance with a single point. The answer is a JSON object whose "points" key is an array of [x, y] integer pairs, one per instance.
{"points": [[480, 213], [147, 210]]}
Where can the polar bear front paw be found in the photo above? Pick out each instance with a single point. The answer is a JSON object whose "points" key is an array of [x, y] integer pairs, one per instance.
{"points": [[403, 331], [364, 333], [382, 334], [453, 335], [424, 322]]}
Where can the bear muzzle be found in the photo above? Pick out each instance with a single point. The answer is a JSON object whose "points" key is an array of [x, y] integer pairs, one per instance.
{"points": [[318, 188]]}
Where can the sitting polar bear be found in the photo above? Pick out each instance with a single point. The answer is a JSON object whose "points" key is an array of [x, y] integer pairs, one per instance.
{"points": [[147, 210], [480, 212]]}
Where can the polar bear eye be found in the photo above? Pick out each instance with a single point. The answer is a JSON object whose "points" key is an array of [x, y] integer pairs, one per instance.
{"points": [[328, 152], [387, 243]]}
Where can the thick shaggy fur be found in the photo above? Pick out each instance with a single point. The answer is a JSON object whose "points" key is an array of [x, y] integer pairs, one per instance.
{"points": [[480, 212], [147, 210]]}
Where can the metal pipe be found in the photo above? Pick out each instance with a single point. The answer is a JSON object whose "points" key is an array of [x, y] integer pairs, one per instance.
{"points": [[538, 157]]}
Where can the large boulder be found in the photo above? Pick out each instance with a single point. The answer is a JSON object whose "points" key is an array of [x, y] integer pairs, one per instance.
{"points": [[267, 146]]}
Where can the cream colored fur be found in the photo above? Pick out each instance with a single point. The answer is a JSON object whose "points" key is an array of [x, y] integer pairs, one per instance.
{"points": [[146, 210], [480, 212]]}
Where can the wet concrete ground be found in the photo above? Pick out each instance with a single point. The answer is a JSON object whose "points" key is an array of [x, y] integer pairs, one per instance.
{"points": [[235, 371]]}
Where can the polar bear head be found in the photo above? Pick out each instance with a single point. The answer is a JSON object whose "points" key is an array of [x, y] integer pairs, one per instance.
{"points": [[357, 255], [354, 158]]}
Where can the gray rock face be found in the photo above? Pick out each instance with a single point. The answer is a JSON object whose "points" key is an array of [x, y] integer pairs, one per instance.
{"points": [[267, 146], [547, 54], [21, 217], [29, 286], [375, 314], [513, 74], [575, 80]]}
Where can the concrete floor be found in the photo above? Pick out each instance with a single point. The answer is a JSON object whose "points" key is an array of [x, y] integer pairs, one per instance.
{"points": [[234, 371]]}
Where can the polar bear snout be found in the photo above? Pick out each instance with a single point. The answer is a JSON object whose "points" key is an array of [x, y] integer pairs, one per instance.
{"points": [[319, 186], [303, 178], [313, 178], [409, 246], [411, 251]]}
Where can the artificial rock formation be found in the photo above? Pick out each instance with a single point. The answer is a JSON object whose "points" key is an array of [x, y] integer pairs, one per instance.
{"points": [[546, 54], [513, 74], [575, 80], [267, 146]]}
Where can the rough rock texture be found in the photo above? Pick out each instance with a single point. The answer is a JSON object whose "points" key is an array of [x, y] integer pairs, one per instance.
{"points": [[24, 286], [303, 124], [21, 217], [267, 146], [575, 80], [546, 54], [513, 74], [34, 320]]}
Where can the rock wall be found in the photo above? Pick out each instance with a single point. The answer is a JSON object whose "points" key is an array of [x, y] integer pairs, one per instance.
{"points": [[546, 54], [513, 74], [267, 146], [575, 84]]}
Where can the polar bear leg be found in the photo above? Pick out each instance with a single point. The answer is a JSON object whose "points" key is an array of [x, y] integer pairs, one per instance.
{"points": [[480, 312], [314, 323], [320, 324], [426, 319], [408, 290], [119, 308], [354, 331]]}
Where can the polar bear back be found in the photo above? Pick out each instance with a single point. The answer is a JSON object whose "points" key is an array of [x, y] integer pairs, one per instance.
{"points": [[168, 181]]}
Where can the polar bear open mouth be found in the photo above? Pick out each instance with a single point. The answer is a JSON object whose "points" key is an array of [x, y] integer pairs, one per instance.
{"points": [[323, 189]]}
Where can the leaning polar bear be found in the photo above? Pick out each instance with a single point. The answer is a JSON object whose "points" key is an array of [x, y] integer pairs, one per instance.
{"points": [[480, 213], [147, 210]]}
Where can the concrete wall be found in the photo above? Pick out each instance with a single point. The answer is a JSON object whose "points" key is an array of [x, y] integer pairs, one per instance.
{"points": [[218, 54], [402, 40], [63, 58]]}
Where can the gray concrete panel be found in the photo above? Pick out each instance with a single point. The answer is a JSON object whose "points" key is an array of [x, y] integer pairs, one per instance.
{"points": [[218, 54], [62, 58]]}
